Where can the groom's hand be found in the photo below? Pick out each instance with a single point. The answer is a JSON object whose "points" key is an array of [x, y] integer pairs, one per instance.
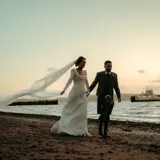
{"points": [[119, 99]]}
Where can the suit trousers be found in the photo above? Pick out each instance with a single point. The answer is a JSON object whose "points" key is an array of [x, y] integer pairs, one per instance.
{"points": [[105, 110]]}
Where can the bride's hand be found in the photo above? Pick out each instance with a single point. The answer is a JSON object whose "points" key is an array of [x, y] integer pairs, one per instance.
{"points": [[87, 93], [61, 93]]}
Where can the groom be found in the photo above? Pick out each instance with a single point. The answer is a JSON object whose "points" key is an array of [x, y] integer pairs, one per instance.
{"points": [[107, 81]]}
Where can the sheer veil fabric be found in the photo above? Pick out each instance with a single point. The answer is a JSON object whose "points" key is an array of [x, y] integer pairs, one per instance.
{"points": [[37, 89]]}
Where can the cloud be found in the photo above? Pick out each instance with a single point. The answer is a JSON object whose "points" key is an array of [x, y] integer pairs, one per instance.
{"points": [[141, 71], [155, 81]]}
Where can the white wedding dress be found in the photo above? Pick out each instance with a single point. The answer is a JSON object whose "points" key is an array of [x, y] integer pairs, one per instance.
{"points": [[73, 120]]}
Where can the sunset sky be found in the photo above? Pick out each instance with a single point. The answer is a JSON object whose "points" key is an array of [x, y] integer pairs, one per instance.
{"points": [[38, 34]]}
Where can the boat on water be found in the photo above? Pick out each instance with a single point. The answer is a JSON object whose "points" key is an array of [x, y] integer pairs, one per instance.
{"points": [[146, 96]]}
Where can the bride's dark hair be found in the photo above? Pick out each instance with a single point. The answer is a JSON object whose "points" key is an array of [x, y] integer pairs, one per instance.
{"points": [[79, 60]]}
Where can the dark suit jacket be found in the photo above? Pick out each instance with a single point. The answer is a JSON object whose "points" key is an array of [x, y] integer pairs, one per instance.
{"points": [[100, 80]]}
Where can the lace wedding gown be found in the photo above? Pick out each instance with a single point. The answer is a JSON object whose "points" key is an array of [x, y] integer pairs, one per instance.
{"points": [[73, 120]]}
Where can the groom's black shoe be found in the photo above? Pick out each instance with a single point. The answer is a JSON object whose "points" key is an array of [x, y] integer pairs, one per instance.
{"points": [[106, 133], [105, 136], [100, 132]]}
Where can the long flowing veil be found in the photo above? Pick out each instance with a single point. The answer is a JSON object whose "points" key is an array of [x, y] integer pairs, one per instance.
{"points": [[37, 89]]}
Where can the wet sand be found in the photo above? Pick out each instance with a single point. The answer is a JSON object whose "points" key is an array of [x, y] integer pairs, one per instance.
{"points": [[28, 137]]}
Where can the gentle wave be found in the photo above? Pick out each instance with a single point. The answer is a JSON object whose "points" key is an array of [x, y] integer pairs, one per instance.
{"points": [[124, 111]]}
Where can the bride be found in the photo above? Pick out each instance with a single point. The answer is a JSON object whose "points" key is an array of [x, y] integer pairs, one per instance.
{"points": [[74, 114], [73, 120]]}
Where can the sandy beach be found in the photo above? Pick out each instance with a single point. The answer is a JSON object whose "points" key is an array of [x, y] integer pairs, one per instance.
{"points": [[26, 137]]}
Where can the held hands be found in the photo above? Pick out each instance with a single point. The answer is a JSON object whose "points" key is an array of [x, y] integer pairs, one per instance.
{"points": [[87, 93], [62, 92]]}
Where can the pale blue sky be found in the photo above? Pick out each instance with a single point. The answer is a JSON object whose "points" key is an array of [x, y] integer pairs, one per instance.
{"points": [[38, 34]]}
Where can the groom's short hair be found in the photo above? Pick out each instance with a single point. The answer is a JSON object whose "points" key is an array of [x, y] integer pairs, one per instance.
{"points": [[108, 61]]}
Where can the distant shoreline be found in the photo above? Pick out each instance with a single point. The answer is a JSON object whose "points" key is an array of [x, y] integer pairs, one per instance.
{"points": [[90, 98]]}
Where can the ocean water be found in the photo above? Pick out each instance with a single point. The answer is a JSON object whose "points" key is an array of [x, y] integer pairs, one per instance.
{"points": [[124, 111]]}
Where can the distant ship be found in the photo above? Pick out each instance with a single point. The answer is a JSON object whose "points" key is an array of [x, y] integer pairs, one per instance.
{"points": [[146, 96]]}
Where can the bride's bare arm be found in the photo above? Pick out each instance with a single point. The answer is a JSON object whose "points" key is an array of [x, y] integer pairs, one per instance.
{"points": [[72, 75]]}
